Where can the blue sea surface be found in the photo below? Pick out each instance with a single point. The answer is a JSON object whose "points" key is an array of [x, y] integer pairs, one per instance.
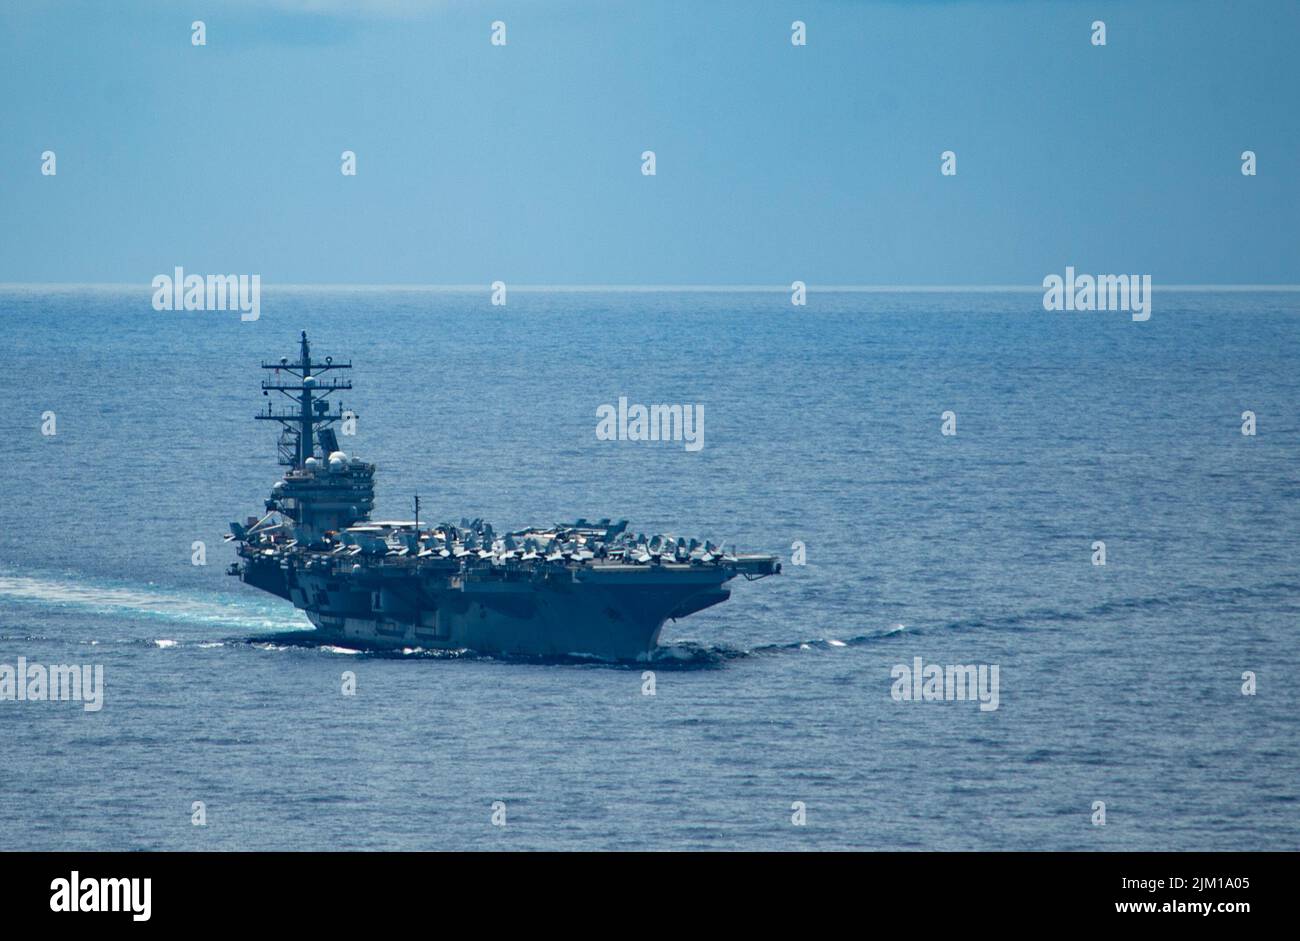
{"points": [[1119, 683]]}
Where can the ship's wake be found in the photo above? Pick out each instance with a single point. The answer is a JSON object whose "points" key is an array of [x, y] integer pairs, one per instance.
{"points": [[92, 598]]}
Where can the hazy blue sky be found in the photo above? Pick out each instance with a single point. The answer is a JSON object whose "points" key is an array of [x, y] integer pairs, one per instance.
{"points": [[775, 163]]}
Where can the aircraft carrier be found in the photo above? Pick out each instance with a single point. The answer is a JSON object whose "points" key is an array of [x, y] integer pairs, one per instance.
{"points": [[591, 589]]}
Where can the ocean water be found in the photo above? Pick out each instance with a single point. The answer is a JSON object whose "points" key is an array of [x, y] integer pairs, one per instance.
{"points": [[1119, 683]]}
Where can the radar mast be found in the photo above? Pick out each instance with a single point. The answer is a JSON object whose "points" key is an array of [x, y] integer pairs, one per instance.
{"points": [[308, 391]]}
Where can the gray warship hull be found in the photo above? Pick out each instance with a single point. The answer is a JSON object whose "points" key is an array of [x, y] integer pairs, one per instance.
{"points": [[613, 612]]}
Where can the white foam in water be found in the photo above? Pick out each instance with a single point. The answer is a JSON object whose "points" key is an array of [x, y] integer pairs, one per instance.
{"points": [[670, 652], [167, 606]]}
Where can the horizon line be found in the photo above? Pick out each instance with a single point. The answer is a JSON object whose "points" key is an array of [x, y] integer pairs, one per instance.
{"points": [[664, 288]]}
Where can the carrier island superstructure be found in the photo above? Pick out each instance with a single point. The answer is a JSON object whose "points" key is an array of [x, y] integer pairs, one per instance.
{"points": [[584, 588]]}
